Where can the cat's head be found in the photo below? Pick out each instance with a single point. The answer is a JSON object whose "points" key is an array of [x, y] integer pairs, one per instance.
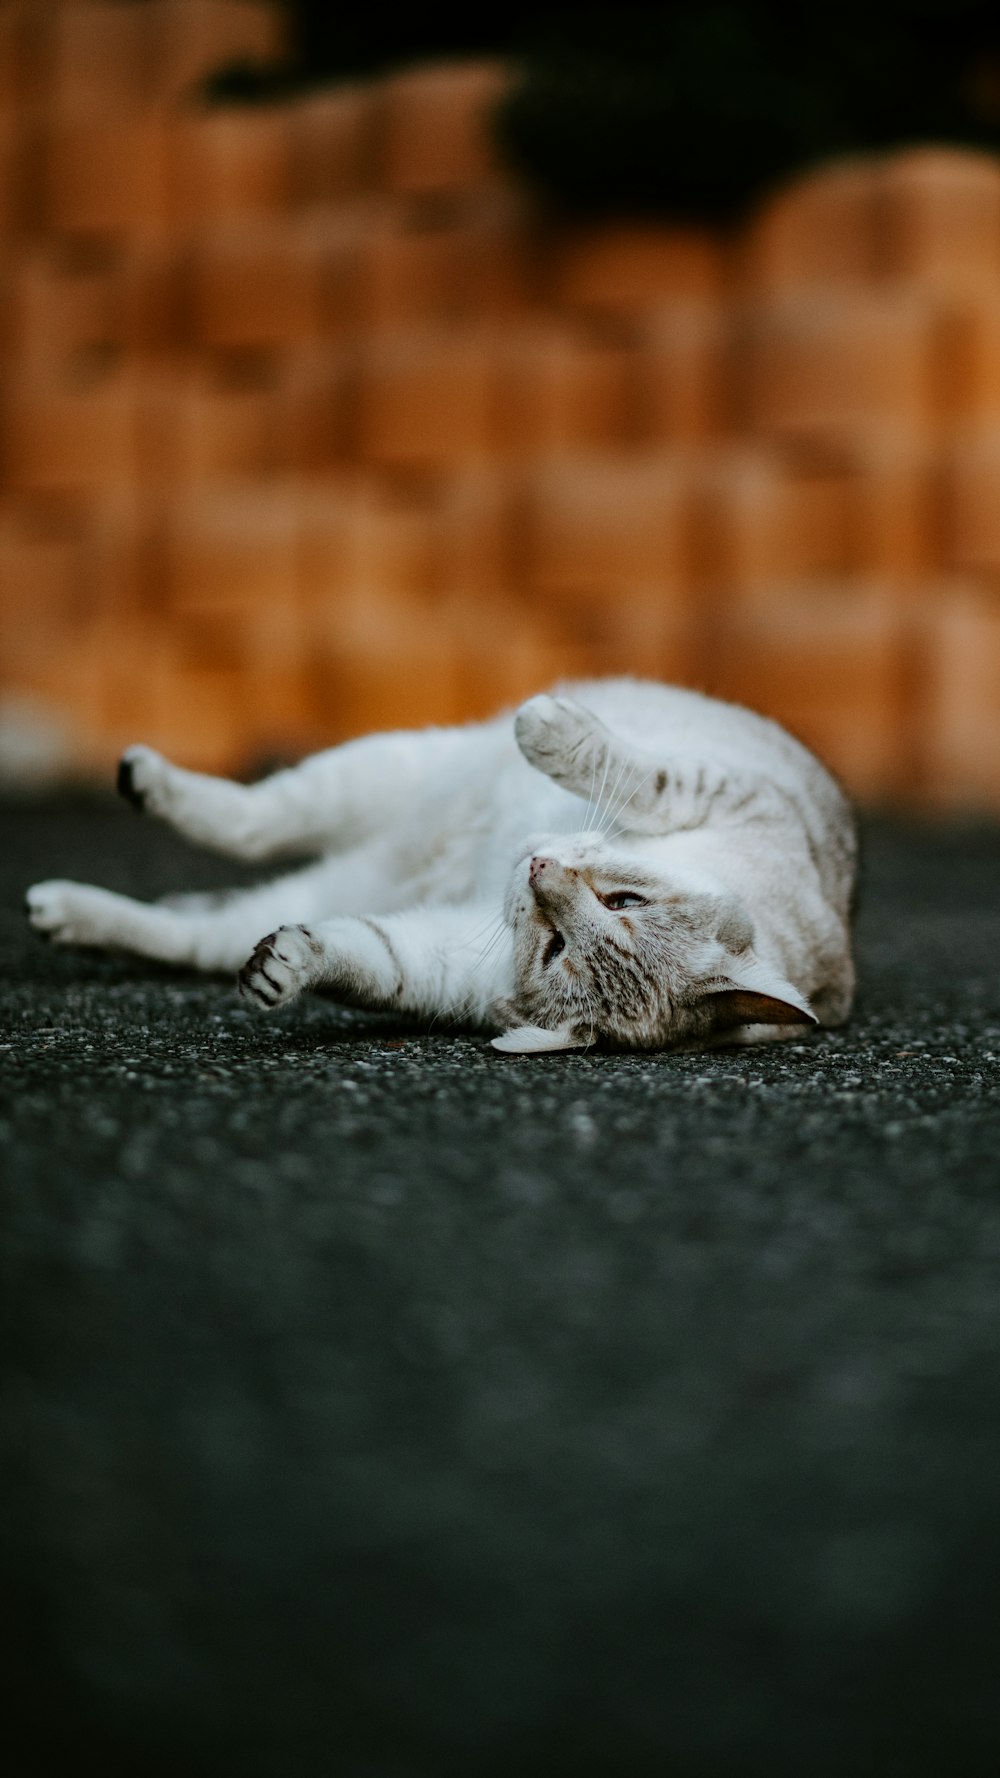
{"points": [[608, 946]]}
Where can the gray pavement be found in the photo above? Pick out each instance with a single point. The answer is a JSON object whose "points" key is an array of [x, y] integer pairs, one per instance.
{"points": [[376, 1405]]}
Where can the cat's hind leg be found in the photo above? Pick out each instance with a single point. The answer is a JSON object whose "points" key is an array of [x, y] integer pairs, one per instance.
{"points": [[212, 935], [331, 801], [246, 821]]}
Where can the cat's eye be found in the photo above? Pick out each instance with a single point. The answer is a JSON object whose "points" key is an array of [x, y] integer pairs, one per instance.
{"points": [[624, 898], [556, 944]]}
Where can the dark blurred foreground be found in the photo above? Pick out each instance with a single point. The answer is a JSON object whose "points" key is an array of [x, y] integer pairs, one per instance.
{"points": [[376, 1406], [689, 108]]}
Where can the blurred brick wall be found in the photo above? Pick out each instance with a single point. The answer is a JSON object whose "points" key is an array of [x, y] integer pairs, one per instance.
{"points": [[308, 424]]}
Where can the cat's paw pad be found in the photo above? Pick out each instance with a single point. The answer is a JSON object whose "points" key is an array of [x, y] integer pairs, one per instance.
{"points": [[66, 913], [555, 733], [284, 964], [142, 778]]}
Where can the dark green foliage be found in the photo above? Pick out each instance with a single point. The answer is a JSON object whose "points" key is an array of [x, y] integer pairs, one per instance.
{"points": [[693, 107]]}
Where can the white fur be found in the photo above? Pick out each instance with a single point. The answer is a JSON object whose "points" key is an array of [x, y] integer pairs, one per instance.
{"points": [[425, 899]]}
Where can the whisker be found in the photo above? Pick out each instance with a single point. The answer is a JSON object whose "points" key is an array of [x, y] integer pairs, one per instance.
{"points": [[490, 946], [491, 931], [625, 766], [632, 790], [604, 780], [614, 788], [590, 1010], [590, 798], [491, 920]]}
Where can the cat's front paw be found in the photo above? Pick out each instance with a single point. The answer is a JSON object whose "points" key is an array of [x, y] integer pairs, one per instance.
{"points": [[143, 776], [283, 965], [557, 735], [69, 913]]}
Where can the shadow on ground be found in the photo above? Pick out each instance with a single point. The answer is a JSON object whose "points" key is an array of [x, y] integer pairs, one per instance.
{"points": [[374, 1405]]}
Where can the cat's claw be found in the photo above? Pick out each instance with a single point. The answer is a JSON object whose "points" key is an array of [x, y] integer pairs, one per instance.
{"points": [[283, 965]]}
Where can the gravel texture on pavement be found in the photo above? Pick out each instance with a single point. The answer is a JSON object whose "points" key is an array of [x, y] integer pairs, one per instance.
{"points": [[376, 1405]]}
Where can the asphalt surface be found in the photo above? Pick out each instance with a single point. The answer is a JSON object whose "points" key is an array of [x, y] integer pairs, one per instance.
{"points": [[377, 1405]]}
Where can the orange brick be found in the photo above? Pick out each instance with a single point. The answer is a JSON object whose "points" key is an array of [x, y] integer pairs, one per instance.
{"points": [[328, 550], [559, 389], [198, 715], [332, 146], [824, 370], [398, 674], [970, 369], [209, 421], [268, 703], [507, 655], [230, 163], [645, 638], [61, 305], [413, 275], [764, 524], [393, 550], [820, 230], [940, 218], [16, 84], [11, 156], [314, 412], [682, 376], [477, 548], [107, 175], [120, 573], [435, 127], [25, 195], [189, 40], [254, 285], [829, 663], [360, 544], [595, 528], [971, 507], [99, 57], [638, 632], [232, 554], [630, 270], [56, 684], [426, 400], [74, 304], [894, 521], [338, 243], [120, 698], [421, 270], [960, 720], [497, 251], [149, 297], [381, 660], [72, 434], [39, 577]]}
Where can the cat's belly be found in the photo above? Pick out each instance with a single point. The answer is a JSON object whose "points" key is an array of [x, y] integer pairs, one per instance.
{"points": [[462, 850]]}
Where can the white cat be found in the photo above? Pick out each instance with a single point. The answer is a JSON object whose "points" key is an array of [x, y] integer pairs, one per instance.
{"points": [[621, 861]]}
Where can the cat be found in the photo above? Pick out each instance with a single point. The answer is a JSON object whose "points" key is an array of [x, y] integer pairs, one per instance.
{"points": [[619, 862]]}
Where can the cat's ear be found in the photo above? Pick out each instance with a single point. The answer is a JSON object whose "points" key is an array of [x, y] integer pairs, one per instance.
{"points": [[531, 1040], [744, 1006], [759, 997]]}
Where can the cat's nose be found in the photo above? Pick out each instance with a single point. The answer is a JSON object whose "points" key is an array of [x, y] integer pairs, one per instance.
{"points": [[537, 868]]}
